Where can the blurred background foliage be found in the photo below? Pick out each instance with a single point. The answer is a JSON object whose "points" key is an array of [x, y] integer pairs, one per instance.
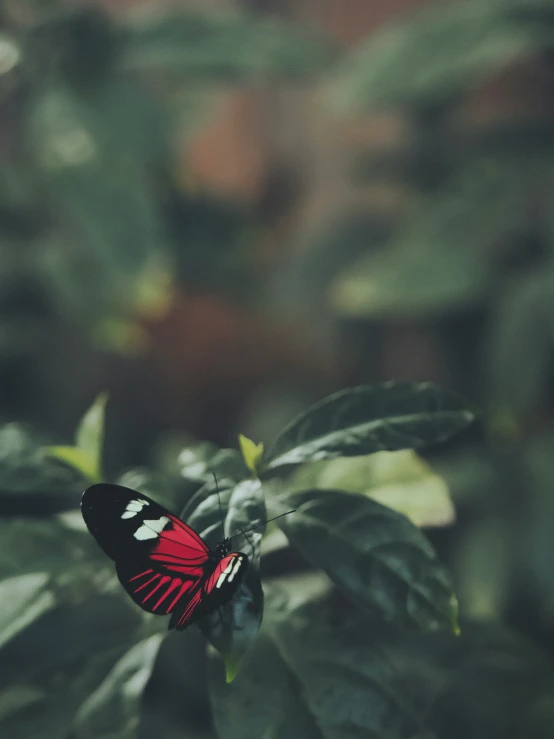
{"points": [[219, 212]]}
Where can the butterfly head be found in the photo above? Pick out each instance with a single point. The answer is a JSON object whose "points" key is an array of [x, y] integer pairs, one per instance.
{"points": [[223, 548]]}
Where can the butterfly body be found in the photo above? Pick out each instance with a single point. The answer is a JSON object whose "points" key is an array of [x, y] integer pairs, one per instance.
{"points": [[162, 563]]}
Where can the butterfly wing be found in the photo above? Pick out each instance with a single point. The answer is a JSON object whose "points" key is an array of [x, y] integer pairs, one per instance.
{"points": [[216, 590], [160, 561]]}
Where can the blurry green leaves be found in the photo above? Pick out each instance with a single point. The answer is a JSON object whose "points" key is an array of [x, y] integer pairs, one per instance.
{"points": [[99, 187], [518, 351], [367, 419], [219, 46], [437, 55], [440, 258], [375, 555], [29, 479], [25, 598], [86, 455], [113, 709]]}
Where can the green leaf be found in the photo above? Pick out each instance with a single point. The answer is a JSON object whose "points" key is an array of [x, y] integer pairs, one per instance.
{"points": [[436, 55], [231, 629], [25, 598], [215, 45], [191, 462], [80, 460], [113, 709], [31, 480], [62, 658], [375, 555], [246, 510], [259, 699], [315, 674], [151, 483], [90, 432], [251, 453], [28, 545], [86, 455], [399, 480], [227, 463], [367, 419]]}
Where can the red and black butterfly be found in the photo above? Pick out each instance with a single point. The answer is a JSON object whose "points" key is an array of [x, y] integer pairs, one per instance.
{"points": [[162, 563]]}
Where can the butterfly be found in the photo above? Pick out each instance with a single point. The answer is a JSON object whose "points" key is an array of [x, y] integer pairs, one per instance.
{"points": [[162, 563]]}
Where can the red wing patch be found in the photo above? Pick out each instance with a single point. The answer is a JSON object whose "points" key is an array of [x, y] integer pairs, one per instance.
{"points": [[156, 592], [227, 574], [194, 609], [179, 549]]}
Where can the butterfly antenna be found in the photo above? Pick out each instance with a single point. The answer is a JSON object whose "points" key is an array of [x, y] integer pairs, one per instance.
{"points": [[219, 499], [248, 539], [263, 523]]}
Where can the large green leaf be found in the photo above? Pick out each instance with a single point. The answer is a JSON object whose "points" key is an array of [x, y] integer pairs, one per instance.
{"points": [[366, 419], [315, 674], [261, 698], [323, 671], [219, 45], [375, 555], [113, 709], [440, 52], [400, 480]]}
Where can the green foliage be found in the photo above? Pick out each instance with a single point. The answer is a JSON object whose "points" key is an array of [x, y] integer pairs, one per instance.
{"points": [[370, 419], [400, 64], [29, 477], [400, 480], [463, 267], [385, 567], [90, 187], [86, 455], [371, 680], [226, 46], [374, 554], [113, 708], [364, 640]]}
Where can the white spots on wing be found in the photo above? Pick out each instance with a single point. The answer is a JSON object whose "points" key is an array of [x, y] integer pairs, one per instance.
{"points": [[134, 507], [151, 528], [229, 572], [236, 568]]}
